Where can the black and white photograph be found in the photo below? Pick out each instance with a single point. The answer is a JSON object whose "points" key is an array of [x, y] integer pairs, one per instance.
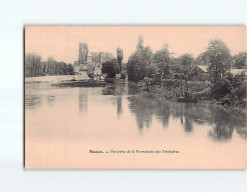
{"points": [[123, 96], [135, 97]]}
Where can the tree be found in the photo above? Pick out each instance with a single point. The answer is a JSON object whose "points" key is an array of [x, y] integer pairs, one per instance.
{"points": [[162, 59], [186, 61], [139, 61], [229, 87], [183, 69], [70, 69], [202, 59], [240, 60], [51, 64], [33, 65], [219, 59], [120, 56], [111, 68], [139, 45], [175, 65]]}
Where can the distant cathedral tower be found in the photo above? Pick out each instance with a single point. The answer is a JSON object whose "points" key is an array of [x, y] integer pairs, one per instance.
{"points": [[90, 62], [83, 51]]}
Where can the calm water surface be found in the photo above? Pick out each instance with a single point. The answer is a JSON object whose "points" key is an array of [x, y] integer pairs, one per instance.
{"points": [[63, 124]]}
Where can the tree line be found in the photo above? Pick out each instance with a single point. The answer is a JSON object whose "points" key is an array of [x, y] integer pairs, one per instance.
{"points": [[35, 66], [115, 66], [144, 63]]}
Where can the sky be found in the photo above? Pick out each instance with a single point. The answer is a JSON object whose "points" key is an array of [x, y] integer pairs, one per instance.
{"points": [[62, 42]]}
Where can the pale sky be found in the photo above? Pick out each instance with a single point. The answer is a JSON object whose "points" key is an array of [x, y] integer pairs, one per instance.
{"points": [[62, 42]]}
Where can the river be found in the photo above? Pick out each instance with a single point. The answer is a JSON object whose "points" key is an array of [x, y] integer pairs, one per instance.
{"points": [[63, 124]]}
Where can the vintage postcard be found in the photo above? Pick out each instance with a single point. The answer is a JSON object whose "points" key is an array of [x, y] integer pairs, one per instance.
{"points": [[135, 97]]}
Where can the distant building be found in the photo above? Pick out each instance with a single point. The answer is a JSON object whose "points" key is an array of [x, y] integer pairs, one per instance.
{"points": [[203, 74], [90, 61], [200, 73], [239, 73]]}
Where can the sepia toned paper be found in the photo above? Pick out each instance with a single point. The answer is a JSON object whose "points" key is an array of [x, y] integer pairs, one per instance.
{"points": [[184, 108]]}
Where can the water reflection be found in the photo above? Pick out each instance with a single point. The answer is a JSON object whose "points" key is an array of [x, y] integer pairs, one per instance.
{"points": [[163, 114], [50, 100], [225, 121], [109, 90], [31, 101], [119, 105], [222, 122], [144, 111], [82, 102]]}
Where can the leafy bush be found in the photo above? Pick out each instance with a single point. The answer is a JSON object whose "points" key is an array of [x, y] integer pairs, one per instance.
{"points": [[111, 68], [229, 87]]}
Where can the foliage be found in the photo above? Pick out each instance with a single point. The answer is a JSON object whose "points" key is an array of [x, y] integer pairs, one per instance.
{"points": [[162, 59], [202, 59], [175, 66], [111, 68], [143, 64], [139, 62], [229, 87], [200, 89], [186, 59], [120, 56], [219, 59], [185, 64], [34, 66], [139, 45], [123, 71], [150, 69], [240, 60]]}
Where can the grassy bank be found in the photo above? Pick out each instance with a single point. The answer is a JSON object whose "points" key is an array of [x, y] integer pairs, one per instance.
{"points": [[176, 89]]}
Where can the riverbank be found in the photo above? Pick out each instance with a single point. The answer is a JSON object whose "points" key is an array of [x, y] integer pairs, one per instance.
{"points": [[192, 91], [86, 83], [206, 108], [55, 78]]}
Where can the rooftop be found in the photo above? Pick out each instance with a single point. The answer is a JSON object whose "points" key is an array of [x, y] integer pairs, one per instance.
{"points": [[238, 71], [203, 68]]}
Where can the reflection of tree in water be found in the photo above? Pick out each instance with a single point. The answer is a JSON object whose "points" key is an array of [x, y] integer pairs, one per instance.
{"points": [[50, 100], [186, 114], [191, 113], [120, 89], [188, 125], [162, 112], [117, 91], [145, 108], [109, 90], [143, 111], [226, 120], [194, 113], [184, 111], [32, 101], [132, 89], [242, 131], [119, 105], [82, 102]]}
